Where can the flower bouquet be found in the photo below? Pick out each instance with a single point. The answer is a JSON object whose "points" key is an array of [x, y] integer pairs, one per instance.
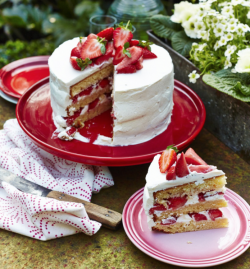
{"points": [[215, 36]]}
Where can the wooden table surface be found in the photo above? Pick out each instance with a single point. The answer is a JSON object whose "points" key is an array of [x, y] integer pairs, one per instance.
{"points": [[113, 249]]}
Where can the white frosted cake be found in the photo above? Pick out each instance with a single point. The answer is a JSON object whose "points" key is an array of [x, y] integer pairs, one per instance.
{"points": [[184, 194], [141, 97]]}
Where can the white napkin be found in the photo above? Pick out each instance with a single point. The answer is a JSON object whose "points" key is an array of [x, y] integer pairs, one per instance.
{"points": [[39, 217]]}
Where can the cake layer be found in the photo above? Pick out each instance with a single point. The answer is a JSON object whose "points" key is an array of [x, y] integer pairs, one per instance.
{"points": [[87, 96], [91, 80], [180, 227], [209, 184], [88, 113], [192, 208]]}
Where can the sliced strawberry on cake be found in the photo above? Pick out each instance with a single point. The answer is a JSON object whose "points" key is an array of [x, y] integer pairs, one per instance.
{"points": [[191, 192], [122, 34], [107, 33]]}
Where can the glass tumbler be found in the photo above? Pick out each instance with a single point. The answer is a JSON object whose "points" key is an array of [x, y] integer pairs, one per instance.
{"points": [[99, 22]]}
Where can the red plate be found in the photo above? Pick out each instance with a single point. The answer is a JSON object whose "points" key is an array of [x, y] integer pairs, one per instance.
{"points": [[34, 115], [191, 249], [18, 76]]}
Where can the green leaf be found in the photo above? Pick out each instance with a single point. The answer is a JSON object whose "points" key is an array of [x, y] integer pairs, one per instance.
{"points": [[182, 43], [83, 63], [103, 49], [164, 27], [126, 45], [234, 84], [172, 147]]}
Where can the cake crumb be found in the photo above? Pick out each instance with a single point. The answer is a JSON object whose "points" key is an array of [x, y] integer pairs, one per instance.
{"points": [[189, 242]]}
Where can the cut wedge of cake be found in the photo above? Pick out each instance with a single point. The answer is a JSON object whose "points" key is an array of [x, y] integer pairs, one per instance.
{"points": [[184, 194]]}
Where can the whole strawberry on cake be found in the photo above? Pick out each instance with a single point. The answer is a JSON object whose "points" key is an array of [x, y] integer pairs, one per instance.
{"points": [[112, 71], [183, 193]]}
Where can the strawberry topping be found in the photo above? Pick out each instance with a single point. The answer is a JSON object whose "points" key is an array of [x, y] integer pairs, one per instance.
{"points": [[127, 69], [167, 159], [83, 93], [133, 42], [107, 33], [181, 168], [192, 158], [157, 207], [75, 52], [121, 35], [148, 54], [214, 214], [138, 64], [93, 47], [109, 48], [119, 55], [176, 202], [198, 216], [171, 174], [135, 52], [201, 168], [101, 59], [74, 62]]}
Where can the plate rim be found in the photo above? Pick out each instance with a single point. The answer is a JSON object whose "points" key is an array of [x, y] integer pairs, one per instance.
{"points": [[198, 264], [15, 64], [109, 161]]}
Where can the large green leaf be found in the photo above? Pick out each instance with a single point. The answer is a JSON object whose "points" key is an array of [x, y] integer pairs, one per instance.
{"points": [[163, 26], [234, 84], [182, 43]]}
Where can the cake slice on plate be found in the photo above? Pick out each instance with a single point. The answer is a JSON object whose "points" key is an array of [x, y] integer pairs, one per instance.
{"points": [[183, 193]]}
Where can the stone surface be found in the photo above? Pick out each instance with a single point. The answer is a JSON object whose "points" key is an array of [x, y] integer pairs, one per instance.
{"points": [[112, 249]]}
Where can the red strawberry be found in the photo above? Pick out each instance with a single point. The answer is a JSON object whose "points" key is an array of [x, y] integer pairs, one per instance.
{"points": [[101, 59], [133, 42], [201, 197], [119, 55], [135, 52], [214, 214], [169, 221], [176, 202], [127, 69], [138, 64], [181, 168], [192, 157], [201, 168], [198, 216], [107, 33], [75, 52], [157, 207], [147, 54], [81, 42], [92, 47], [71, 131], [74, 63], [93, 104], [121, 35], [109, 48], [167, 159], [171, 173], [103, 83]]}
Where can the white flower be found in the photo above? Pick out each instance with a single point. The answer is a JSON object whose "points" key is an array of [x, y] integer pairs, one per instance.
{"points": [[236, 2], [201, 47], [230, 50], [248, 15], [240, 30], [189, 27], [216, 45], [233, 21], [243, 64], [227, 10], [232, 28], [227, 63], [246, 3], [229, 36], [215, 20], [245, 27], [204, 35], [200, 26], [233, 71], [184, 11], [219, 30], [193, 76], [222, 41]]}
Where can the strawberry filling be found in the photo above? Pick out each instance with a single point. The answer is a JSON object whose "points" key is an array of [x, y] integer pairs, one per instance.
{"points": [[93, 104], [83, 93], [176, 202], [169, 221], [202, 196], [157, 207], [197, 216]]}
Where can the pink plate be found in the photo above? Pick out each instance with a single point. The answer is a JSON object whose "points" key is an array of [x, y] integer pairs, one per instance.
{"points": [[18, 76], [34, 114], [191, 249]]}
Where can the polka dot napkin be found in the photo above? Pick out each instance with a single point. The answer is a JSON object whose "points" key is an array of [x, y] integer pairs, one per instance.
{"points": [[39, 217]]}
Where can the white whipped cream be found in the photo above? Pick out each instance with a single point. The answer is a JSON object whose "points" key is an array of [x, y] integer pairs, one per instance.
{"points": [[143, 101], [156, 181]]}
